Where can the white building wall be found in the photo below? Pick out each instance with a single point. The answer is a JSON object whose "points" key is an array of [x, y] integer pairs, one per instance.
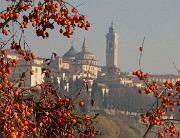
{"points": [[37, 78], [29, 80]]}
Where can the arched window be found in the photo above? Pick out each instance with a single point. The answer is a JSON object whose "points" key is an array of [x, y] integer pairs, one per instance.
{"points": [[110, 46]]}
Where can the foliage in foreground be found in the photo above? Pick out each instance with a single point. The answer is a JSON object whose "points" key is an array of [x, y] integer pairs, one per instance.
{"points": [[22, 114], [167, 97]]}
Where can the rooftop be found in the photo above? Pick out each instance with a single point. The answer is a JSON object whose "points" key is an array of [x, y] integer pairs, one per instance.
{"points": [[71, 53]]}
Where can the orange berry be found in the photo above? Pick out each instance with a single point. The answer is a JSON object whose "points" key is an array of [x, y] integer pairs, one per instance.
{"points": [[32, 72], [27, 114]]}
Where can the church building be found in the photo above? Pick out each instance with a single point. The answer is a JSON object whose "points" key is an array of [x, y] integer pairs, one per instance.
{"points": [[86, 61], [82, 63]]}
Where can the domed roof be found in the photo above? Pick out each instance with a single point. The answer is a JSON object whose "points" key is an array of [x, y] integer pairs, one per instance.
{"points": [[71, 53]]}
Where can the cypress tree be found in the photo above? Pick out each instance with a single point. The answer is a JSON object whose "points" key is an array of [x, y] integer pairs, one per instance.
{"points": [[56, 83], [62, 84], [71, 86], [96, 93], [105, 101]]}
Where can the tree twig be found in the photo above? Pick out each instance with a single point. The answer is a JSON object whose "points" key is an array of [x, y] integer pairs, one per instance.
{"points": [[9, 19], [141, 51]]}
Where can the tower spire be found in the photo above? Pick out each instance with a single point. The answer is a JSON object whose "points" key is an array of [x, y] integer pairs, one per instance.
{"points": [[112, 28], [84, 46], [112, 24]]}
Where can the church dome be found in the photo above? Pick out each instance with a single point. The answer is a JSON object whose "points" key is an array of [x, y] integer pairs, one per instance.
{"points": [[71, 53]]}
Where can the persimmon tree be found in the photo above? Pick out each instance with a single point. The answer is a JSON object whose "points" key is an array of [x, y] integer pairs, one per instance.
{"points": [[167, 100], [22, 114]]}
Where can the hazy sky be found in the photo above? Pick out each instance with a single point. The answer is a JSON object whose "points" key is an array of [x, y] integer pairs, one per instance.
{"points": [[157, 20]]}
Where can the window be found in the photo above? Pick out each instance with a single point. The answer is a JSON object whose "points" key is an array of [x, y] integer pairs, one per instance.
{"points": [[36, 70], [110, 46], [36, 76]]}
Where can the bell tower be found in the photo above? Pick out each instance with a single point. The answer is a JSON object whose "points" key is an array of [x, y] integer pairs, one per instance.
{"points": [[112, 47]]}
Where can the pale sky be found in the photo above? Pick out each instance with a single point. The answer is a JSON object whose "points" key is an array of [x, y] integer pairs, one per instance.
{"points": [[157, 20]]}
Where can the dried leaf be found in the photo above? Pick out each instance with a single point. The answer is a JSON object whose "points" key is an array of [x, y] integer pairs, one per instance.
{"points": [[87, 87], [96, 115], [92, 102], [17, 47], [23, 75], [141, 49], [19, 85]]}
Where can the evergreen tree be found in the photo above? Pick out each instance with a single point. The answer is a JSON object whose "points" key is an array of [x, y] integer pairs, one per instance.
{"points": [[110, 97], [95, 89], [105, 101], [48, 79], [74, 88], [71, 86], [78, 83], [56, 83], [100, 97], [62, 84], [96, 93], [84, 109]]}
